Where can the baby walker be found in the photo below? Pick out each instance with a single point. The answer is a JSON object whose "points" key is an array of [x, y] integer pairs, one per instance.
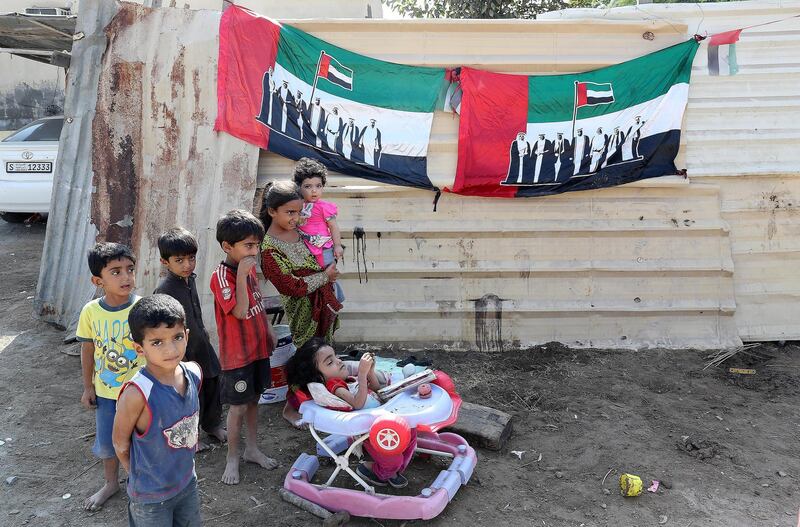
{"points": [[427, 408]]}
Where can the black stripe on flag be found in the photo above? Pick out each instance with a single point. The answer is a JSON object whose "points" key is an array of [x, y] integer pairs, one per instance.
{"points": [[598, 100], [340, 82], [713, 60]]}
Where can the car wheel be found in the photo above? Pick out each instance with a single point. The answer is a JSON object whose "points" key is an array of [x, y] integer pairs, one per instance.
{"points": [[15, 217], [390, 434]]}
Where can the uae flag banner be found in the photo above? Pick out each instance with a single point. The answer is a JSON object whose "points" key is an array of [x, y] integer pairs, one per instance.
{"points": [[298, 96], [525, 136]]}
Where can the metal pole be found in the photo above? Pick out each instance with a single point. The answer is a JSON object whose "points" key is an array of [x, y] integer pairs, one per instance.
{"points": [[316, 76], [574, 109]]}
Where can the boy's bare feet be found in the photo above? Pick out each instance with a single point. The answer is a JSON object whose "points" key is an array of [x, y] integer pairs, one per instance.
{"points": [[254, 455], [95, 501], [219, 433], [231, 474]]}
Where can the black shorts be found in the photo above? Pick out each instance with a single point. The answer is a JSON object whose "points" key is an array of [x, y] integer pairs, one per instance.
{"points": [[245, 385]]}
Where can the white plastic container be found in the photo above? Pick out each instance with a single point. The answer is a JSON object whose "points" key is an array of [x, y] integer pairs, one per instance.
{"points": [[278, 360]]}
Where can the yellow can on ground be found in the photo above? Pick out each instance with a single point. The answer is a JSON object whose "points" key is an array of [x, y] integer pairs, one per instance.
{"points": [[630, 485]]}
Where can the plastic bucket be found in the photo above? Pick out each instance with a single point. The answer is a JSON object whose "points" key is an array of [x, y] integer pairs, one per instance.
{"points": [[285, 349]]}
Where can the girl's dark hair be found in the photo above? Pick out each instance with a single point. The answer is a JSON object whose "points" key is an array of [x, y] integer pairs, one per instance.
{"points": [[301, 368], [307, 168], [276, 194]]}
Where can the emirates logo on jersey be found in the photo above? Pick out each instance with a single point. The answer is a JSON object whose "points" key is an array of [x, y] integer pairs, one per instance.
{"points": [[183, 434]]}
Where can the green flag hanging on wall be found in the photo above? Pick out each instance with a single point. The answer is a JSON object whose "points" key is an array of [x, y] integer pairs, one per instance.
{"points": [[296, 95]]}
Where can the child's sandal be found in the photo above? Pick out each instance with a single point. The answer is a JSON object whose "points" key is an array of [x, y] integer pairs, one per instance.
{"points": [[369, 476]]}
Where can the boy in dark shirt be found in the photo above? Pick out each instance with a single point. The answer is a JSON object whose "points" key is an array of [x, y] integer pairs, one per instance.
{"points": [[178, 248]]}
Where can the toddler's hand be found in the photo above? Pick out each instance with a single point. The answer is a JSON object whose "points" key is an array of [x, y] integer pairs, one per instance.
{"points": [[338, 251], [332, 272], [89, 399]]}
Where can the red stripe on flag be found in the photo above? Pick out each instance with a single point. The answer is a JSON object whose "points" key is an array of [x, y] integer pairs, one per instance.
{"points": [[494, 108], [728, 37], [580, 94], [240, 72], [324, 64]]}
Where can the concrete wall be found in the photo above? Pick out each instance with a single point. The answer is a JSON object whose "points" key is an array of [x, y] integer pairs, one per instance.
{"points": [[29, 90]]}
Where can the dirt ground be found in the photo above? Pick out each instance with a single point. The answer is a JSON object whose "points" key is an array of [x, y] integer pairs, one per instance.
{"points": [[590, 414]]}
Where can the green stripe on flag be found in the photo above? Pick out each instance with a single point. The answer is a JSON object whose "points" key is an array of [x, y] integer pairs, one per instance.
{"points": [[375, 82], [551, 97]]}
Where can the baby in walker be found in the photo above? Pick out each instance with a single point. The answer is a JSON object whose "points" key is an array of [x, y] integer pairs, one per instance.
{"points": [[355, 384]]}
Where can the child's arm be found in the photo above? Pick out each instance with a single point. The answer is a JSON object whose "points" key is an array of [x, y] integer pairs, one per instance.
{"points": [[358, 400], [338, 251], [271, 335], [290, 285], [242, 294], [130, 410], [89, 398], [372, 378]]}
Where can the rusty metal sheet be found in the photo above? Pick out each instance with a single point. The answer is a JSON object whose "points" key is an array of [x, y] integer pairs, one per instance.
{"points": [[64, 284], [156, 161]]}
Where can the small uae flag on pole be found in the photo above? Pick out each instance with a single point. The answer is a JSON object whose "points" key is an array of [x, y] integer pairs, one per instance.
{"points": [[591, 94], [330, 69], [722, 53]]}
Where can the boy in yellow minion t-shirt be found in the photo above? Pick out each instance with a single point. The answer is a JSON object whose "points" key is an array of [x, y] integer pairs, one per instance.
{"points": [[108, 358]]}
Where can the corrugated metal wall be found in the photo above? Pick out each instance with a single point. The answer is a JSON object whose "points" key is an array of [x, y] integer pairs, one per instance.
{"points": [[64, 285], [148, 156], [667, 262], [158, 161]]}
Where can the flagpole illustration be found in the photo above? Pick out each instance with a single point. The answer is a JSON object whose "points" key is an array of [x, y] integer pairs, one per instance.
{"points": [[316, 75], [574, 108]]}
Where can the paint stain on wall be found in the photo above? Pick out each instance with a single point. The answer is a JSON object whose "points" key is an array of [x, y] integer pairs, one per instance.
{"points": [[489, 323]]}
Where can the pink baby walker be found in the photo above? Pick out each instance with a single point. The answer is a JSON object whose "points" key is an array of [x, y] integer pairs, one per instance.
{"points": [[428, 409]]}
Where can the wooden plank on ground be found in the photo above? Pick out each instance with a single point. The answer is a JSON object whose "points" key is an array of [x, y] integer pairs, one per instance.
{"points": [[483, 426]]}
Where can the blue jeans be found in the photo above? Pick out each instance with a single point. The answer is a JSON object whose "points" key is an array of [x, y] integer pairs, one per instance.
{"points": [[182, 510], [327, 257], [104, 421]]}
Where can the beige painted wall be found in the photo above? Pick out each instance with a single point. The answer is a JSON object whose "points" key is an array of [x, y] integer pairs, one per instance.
{"points": [[704, 261]]}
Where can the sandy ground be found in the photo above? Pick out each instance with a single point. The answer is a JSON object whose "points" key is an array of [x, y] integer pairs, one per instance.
{"points": [[590, 414]]}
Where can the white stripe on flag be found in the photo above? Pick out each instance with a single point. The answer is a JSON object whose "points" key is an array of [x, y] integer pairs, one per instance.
{"points": [[402, 133], [599, 94], [343, 76]]}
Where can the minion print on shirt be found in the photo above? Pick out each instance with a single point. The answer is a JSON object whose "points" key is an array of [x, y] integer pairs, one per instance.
{"points": [[115, 360]]}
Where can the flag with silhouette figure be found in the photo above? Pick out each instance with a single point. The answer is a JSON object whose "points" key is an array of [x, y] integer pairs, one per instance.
{"points": [[535, 135], [294, 94]]}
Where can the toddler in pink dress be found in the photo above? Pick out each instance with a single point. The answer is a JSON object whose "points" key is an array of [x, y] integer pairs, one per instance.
{"points": [[317, 223]]}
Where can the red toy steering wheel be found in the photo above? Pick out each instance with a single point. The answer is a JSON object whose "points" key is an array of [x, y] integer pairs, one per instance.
{"points": [[390, 434]]}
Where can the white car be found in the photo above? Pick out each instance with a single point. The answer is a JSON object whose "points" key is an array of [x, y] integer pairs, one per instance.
{"points": [[27, 159]]}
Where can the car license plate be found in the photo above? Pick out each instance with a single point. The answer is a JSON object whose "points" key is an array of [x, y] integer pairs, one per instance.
{"points": [[30, 167]]}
